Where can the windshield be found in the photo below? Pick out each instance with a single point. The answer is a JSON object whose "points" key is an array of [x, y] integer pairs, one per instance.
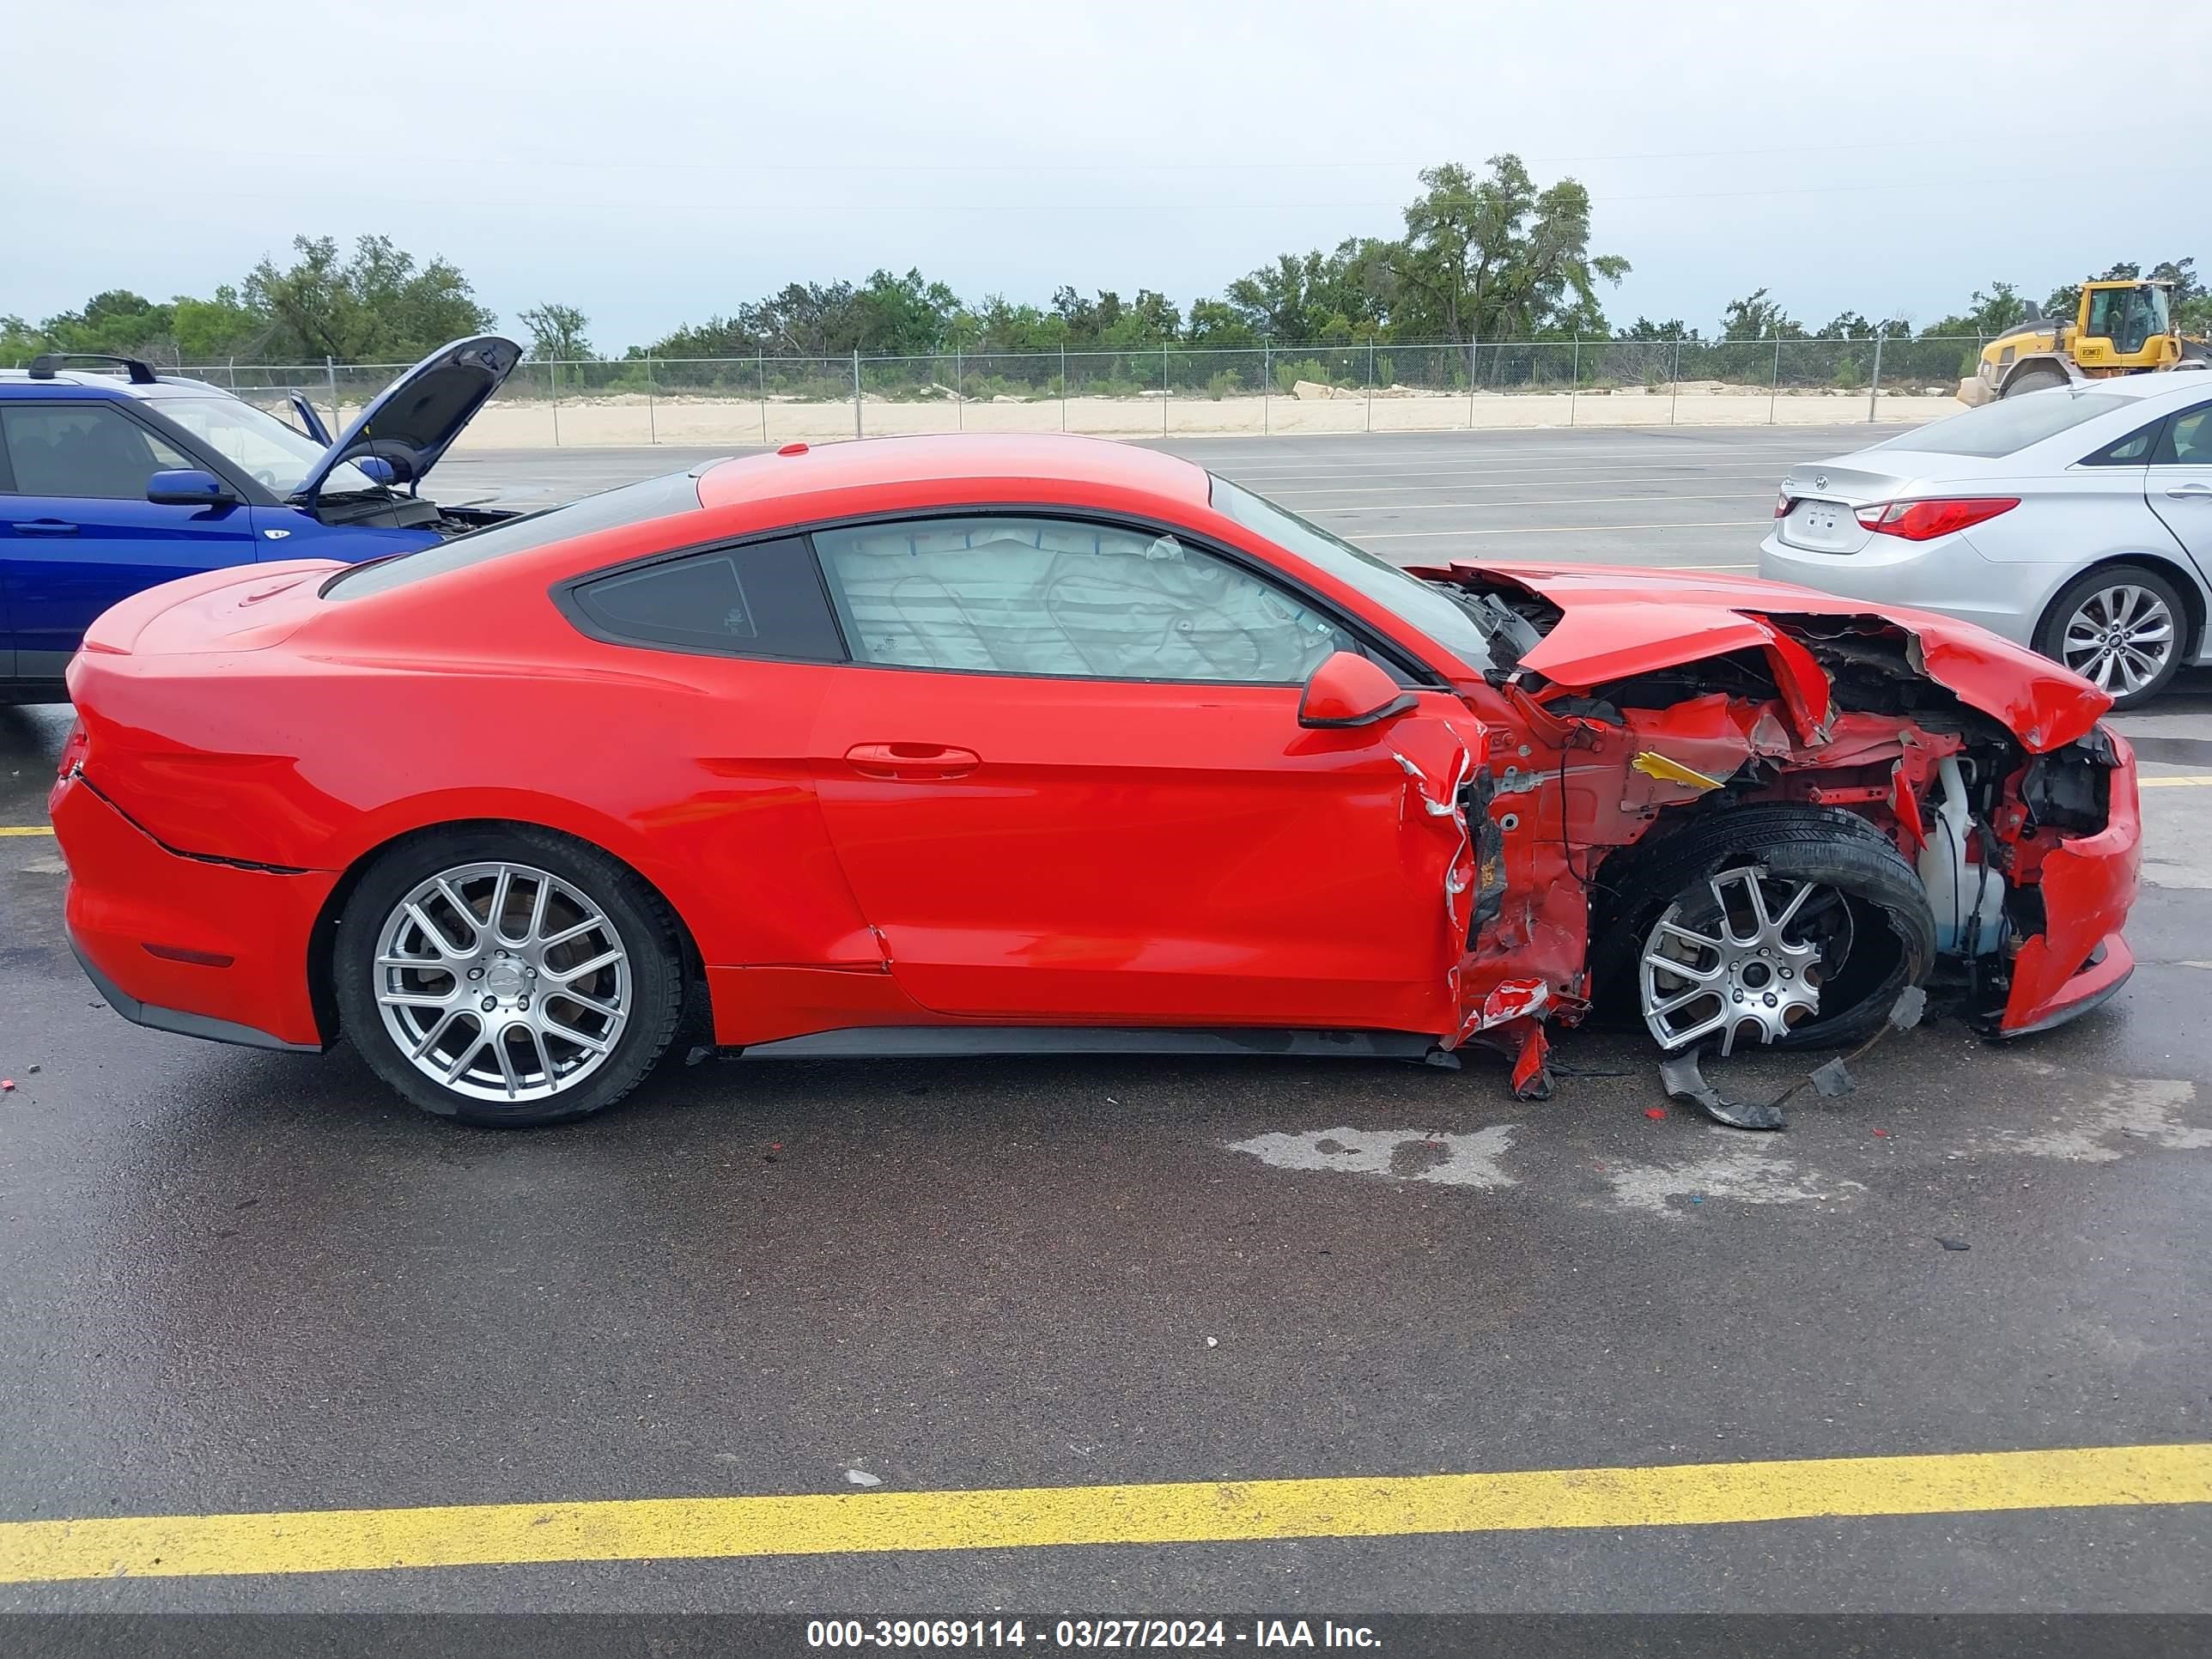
{"points": [[1428, 608], [259, 443], [2000, 429]]}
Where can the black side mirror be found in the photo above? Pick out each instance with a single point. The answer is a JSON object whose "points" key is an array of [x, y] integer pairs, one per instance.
{"points": [[189, 486]]}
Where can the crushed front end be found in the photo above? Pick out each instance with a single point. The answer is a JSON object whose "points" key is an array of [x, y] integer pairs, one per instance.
{"points": [[1662, 744], [2071, 830]]}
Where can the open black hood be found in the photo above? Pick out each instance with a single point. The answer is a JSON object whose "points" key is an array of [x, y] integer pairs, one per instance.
{"points": [[413, 421]]}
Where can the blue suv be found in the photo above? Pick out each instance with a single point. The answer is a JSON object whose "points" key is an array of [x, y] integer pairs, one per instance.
{"points": [[110, 484]]}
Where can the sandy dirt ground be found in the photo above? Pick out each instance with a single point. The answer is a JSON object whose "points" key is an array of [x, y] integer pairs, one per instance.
{"points": [[632, 419]]}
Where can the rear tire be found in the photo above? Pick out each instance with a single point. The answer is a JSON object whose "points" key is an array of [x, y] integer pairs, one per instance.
{"points": [[1861, 909], [2122, 627], [2037, 377], [507, 977]]}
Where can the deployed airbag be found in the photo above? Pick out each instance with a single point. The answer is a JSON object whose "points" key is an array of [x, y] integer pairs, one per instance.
{"points": [[1048, 597]]}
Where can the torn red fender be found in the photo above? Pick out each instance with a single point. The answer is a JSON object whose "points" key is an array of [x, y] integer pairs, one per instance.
{"points": [[2088, 882], [1437, 758], [2046, 706]]}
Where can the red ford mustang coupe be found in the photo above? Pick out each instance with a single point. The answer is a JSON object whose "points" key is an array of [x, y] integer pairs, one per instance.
{"points": [[950, 746]]}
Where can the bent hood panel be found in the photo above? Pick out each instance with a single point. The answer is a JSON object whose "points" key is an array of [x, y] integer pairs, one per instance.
{"points": [[415, 420], [1618, 621]]}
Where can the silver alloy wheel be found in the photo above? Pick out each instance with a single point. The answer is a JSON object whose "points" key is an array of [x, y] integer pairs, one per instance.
{"points": [[1756, 957], [502, 981], [2119, 638]]}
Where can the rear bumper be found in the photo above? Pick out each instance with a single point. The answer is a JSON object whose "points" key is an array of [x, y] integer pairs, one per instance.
{"points": [[1947, 576], [187, 945], [2088, 886], [177, 1020]]}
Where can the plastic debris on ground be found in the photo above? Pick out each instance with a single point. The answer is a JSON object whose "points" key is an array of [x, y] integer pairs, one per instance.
{"points": [[1682, 1079]]}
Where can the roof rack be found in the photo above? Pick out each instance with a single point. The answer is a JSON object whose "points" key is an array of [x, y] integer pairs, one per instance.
{"points": [[43, 367]]}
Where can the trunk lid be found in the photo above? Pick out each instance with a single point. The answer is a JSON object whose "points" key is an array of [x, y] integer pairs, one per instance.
{"points": [[238, 608], [1822, 496], [415, 420]]}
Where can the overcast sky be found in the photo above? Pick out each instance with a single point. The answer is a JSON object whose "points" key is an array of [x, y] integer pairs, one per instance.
{"points": [[654, 163]]}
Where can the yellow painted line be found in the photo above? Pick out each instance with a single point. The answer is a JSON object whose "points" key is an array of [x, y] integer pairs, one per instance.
{"points": [[696, 1528], [2195, 780], [27, 829]]}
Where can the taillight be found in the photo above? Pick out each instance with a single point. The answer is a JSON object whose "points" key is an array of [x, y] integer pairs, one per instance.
{"points": [[1922, 521], [1782, 505]]}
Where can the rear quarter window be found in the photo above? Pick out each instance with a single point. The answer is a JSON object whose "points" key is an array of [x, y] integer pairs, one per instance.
{"points": [[758, 599], [653, 498]]}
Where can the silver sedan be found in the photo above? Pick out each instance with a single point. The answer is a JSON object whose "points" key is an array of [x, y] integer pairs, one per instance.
{"points": [[2077, 521]]}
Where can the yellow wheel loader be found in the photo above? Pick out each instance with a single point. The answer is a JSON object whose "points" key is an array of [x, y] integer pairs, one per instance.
{"points": [[2119, 328]]}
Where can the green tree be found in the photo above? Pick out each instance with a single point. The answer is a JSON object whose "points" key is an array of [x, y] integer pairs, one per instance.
{"points": [[1002, 325], [19, 341], [556, 331], [379, 306], [1756, 317], [1495, 258], [1991, 310], [904, 316], [116, 321], [1220, 324], [219, 327], [1318, 298], [1152, 318]]}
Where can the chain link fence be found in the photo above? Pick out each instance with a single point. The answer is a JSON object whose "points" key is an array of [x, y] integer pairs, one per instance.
{"points": [[1163, 391]]}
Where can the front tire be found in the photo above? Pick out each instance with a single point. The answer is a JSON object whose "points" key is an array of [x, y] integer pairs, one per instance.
{"points": [[507, 977], [2121, 629], [2036, 377], [1797, 927]]}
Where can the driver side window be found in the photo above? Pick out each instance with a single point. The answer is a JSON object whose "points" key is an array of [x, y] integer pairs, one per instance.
{"points": [[83, 450], [1062, 599]]}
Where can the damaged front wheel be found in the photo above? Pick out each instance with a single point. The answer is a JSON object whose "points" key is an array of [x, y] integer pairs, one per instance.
{"points": [[1790, 925]]}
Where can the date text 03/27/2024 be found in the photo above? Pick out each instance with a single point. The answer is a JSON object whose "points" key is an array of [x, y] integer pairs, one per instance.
{"points": [[1086, 1634]]}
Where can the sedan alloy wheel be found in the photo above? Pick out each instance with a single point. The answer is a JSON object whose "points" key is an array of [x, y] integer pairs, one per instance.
{"points": [[2120, 638]]}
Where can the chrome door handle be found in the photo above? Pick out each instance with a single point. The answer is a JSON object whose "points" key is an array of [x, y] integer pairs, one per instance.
{"points": [[2190, 492]]}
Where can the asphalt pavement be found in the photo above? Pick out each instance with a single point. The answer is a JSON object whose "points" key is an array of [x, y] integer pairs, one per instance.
{"points": [[236, 1283]]}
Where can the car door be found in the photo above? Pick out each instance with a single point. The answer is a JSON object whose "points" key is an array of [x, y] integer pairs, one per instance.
{"points": [[76, 531], [7, 630], [1065, 779], [2179, 483]]}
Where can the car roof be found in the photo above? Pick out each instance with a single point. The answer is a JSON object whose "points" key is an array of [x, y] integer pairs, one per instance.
{"points": [[17, 382], [1049, 459], [2180, 383]]}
